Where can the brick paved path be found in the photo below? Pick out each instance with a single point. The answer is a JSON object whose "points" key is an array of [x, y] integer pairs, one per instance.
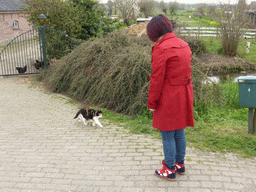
{"points": [[43, 149]]}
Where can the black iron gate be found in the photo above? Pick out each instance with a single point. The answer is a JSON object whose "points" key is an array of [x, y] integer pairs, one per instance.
{"points": [[20, 54], [24, 53]]}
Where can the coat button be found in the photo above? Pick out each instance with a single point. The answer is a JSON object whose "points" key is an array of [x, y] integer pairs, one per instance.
{"points": [[181, 45]]}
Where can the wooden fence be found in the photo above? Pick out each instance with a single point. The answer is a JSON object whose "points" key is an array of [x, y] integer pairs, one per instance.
{"points": [[212, 32]]}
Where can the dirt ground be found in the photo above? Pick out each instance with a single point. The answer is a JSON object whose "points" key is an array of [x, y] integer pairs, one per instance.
{"points": [[221, 64]]}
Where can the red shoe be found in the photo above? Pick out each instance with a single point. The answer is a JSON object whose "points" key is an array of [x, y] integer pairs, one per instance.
{"points": [[166, 172], [180, 167]]}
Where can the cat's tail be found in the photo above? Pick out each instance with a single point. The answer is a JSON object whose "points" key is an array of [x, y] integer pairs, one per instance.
{"points": [[77, 114]]}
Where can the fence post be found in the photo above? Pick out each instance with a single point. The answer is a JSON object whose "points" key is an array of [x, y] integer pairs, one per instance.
{"points": [[41, 20]]}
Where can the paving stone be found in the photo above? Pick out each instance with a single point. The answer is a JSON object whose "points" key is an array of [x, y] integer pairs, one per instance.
{"points": [[190, 184], [153, 190], [199, 178], [221, 178], [235, 186], [132, 189], [200, 190], [43, 149], [212, 184], [242, 180], [178, 189], [5, 184]]}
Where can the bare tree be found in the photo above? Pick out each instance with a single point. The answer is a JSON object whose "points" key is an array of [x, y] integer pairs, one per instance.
{"points": [[253, 5], [182, 6], [232, 20], [110, 7], [173, 7], [146, 7], [126, 8], [163, 6], [201, 9], [211, 9]]}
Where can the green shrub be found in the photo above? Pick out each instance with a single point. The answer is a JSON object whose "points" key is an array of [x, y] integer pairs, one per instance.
{"points": [[114, 73], [197, 47], [111, 72], [196, 44], [231, 94], [220, 51]]}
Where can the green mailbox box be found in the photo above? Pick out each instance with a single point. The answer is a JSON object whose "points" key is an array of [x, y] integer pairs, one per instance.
{"points": [[247, 98], [247, 91]]}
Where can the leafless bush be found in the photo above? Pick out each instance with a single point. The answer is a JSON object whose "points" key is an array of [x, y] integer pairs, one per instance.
{"points": [[126, 8], [147, 7], [232, 20]]}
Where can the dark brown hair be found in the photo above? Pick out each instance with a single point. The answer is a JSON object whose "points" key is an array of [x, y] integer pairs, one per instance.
{"points": [[159, 25]]}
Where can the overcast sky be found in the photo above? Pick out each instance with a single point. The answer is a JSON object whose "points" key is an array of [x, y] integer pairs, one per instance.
{"points": [[194, 1]]}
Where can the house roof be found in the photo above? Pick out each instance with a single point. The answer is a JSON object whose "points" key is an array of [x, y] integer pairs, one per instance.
{"points": [[10, 5]]}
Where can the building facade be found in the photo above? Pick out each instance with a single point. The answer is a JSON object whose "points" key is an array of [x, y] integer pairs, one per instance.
{"points": [[12, 19]]}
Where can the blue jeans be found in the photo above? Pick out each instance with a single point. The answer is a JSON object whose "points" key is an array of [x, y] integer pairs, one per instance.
{"points": [[174, 145]]}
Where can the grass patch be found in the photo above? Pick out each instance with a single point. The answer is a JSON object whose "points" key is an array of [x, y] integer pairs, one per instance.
{"points": [[251, 56], [227, 136], [70, 101], [212, 44], [223, 129], [33, 84], [140, 124]]}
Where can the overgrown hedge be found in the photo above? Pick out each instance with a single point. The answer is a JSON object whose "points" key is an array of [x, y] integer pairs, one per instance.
{"points": [[114, 73]]}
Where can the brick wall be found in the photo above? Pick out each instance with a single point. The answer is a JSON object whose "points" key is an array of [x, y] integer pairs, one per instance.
{"points": [[7, 30]]}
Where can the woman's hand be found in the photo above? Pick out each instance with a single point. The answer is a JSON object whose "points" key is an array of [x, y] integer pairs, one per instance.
{"points": [[152, 110]]}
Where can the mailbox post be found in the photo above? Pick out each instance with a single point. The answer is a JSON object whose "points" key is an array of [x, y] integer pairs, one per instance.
{"points": [[247, 98]]}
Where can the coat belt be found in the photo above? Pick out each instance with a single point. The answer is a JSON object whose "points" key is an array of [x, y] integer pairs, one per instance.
{"points": [[180, 81]]}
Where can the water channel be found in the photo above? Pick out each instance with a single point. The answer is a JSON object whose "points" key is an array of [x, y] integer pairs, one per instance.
{"points": [[230, 76]]}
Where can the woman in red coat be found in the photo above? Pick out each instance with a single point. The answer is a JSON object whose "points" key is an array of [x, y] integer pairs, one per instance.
{"points": [[170, 95]]}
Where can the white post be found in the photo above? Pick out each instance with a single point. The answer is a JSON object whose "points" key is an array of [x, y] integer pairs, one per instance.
{"points": [[248, 47]]}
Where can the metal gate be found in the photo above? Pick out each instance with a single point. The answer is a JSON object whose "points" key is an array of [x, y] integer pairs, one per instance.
{"points": [[20, 54], [24, 53]]}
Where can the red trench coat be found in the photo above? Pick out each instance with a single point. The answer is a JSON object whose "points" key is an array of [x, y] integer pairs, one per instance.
{"points": [[170, 90]]}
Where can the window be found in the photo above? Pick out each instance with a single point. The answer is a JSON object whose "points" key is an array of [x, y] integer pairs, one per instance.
{"points": [[15, 24]]}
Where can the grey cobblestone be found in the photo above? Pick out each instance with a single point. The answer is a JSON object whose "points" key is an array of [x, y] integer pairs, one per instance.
{"points": [[43, 149]]}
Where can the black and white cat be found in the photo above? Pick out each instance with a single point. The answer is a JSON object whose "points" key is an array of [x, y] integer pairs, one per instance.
{"points": [[86, 114]]}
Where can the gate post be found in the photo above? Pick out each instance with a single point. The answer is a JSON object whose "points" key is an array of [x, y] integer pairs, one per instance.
{"points": [[41, 20]]}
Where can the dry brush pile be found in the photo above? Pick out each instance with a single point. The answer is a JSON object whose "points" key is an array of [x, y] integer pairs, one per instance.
{"points": [[112, 72], [137, 29]]}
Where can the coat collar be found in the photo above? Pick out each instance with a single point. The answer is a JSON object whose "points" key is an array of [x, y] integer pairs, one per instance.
{"points": [[165, 37]]}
